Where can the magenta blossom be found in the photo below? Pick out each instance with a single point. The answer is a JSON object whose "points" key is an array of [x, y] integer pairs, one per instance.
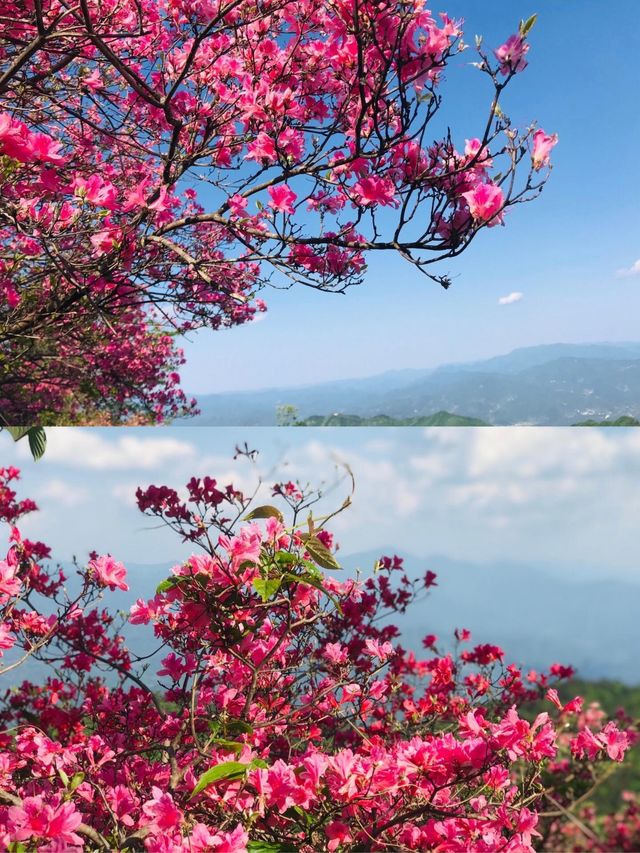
{"points": [[282, 198], [109, 572], [485, 203], [542, 145], [511, 55]]}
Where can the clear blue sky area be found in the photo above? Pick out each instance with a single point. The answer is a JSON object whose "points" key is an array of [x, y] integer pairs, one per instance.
{"points": [[563, 252]]}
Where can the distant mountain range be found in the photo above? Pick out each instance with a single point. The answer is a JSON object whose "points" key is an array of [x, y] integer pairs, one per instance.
{"points": [[538, 615], [439, 419], [555, 384]]}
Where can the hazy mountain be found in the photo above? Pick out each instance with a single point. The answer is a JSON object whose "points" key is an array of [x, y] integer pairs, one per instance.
{"points": [[556, 384], [624, 421], [539, 615], [439, 419]]}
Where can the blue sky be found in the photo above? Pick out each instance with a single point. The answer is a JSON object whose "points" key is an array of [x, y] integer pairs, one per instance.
{"points": [[563, 499], [562, 252]]}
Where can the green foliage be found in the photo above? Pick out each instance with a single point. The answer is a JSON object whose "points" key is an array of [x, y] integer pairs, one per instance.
{"points": [[35, 435], [266, 588], [624, 421], [319, 552], [439, 419], [264, 512], [526, 25], [229, 770], [286, 415]]}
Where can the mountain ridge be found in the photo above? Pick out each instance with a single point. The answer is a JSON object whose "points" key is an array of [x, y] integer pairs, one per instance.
{"points": [[552, 384]]}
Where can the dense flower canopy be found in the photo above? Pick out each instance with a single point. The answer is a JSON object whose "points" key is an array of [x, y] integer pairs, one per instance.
{"points": [[161, 162], [284, 713]]}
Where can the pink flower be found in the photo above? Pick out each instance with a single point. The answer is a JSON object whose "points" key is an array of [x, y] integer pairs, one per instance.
{"points": [[511, 55], [335, 653], [104, 241], [175, 666], [9, 583], [122, 803], [230, 842], [14, 139], [473, 149], [37, 819], [163, 202], [162, 812], [374, 190], [262, 149], [282, 198], [615, 742], [586, 743], [378, 650], [98, 192], [7, 640], [485, 203], [45, 149], [338, 834], [245, 547], [542, 145], [109, 572], [140, 613], [237, 205], [137, 197]]}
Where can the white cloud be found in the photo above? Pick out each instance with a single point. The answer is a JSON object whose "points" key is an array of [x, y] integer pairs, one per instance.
{"points": [[125, 493], [84, 448], [634, 269], [62, 493], [516, 296]]}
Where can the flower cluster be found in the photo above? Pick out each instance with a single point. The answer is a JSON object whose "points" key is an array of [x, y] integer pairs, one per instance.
{"points": [[159, 163], [285, 713]]}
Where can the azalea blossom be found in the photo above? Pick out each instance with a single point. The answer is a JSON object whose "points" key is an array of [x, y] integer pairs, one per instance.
{"points": [[109, 572], [485, 203], [511, 55], [282, 198], [542, 145], [161, 811]]}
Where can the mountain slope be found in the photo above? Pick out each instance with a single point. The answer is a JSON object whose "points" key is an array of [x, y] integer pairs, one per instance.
{"points": [[439, 419], [558, 384], [540, 616]]}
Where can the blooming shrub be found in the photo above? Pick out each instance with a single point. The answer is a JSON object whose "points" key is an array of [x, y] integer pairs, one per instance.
{"points": [[160, 162], [286, 714]]}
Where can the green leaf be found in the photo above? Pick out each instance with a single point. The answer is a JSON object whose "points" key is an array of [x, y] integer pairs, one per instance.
{"points": [[525, 26], [264, 847], [164, 585], [298, 812], [239, 727], [17, 432], [229, 744], [266, 588], [264, 512], [320, 553], [77, 779], [230, 770], [285, 557], [37, 442]]}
